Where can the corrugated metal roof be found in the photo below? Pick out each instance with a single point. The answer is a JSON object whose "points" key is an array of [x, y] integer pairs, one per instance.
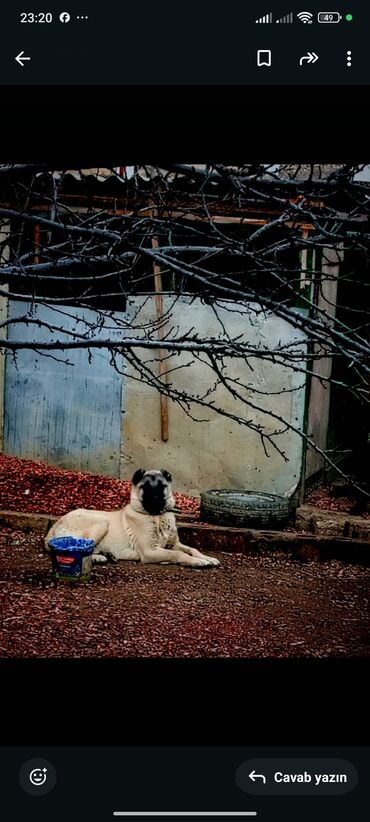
{"points": [[149, 172], [146, 173], [123, 173]]}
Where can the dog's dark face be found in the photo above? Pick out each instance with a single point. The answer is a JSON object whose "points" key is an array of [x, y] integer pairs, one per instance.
{"points": [[151, 492]]}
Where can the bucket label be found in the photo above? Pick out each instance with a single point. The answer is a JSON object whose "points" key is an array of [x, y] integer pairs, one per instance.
{"points": [[65, 560]]}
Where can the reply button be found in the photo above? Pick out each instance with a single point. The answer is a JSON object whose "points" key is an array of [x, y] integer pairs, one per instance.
{"points": [[296, 777]]}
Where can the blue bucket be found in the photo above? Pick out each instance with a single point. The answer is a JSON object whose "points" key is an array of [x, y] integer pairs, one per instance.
{"points": [[71, 558]]}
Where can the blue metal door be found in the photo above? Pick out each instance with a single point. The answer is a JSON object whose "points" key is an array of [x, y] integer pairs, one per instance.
{"points": [[64, 414]]}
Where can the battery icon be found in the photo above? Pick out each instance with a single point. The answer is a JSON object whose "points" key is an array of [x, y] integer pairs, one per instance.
{"points": [[329, 17]]}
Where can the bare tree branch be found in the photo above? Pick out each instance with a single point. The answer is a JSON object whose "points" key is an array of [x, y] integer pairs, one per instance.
{"points": [[253, 242]]}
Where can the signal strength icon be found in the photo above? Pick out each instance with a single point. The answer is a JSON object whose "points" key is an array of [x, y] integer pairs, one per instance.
{"points": [[288, 18], [267, 18]]}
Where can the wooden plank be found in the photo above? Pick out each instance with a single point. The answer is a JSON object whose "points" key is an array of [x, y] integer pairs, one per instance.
{"points": [[4, 260], [36, 258], [171, 213], [163, 399], [319, 400]]}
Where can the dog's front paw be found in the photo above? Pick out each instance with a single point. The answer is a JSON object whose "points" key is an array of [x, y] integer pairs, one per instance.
{"points": [[205, 562], [213, 561], [99, 558]]}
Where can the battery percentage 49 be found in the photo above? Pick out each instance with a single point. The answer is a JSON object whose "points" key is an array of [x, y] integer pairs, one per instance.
{"points": [[329, 17]]}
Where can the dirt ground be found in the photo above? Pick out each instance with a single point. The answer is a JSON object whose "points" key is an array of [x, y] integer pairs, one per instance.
{"points": [[260, 606]]}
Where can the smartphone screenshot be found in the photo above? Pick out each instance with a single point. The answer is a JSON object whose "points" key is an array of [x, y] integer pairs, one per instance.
{"points": [[184, 412], [218, 783]]}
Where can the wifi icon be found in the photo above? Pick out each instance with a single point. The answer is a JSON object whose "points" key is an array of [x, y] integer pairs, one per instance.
{"points": [[305, 16]]}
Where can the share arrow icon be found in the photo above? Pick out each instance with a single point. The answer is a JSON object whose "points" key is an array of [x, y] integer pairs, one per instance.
{"points": [[253, 776], [310, 57]]}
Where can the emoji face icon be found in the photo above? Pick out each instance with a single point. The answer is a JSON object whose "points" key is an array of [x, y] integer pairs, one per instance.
{"points": [[38, 776]]}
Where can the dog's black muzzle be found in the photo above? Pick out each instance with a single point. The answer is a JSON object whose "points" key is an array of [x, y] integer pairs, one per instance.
{"points": [[153, 500]]}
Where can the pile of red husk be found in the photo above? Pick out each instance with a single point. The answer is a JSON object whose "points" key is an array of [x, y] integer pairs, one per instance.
{"points": [[323, 498], [34, 487]]}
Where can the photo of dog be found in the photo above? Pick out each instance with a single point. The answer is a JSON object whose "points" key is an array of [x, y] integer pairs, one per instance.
{"points": [[143, 531]]}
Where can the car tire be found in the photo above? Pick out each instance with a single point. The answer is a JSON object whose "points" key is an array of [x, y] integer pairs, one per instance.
{"points": [[245, 509]]}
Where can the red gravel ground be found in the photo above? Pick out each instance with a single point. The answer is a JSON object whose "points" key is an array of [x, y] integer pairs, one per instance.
{"points": [[250, 607], [264, 606]]}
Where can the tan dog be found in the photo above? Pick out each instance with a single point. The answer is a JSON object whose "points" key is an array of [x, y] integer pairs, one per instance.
{"points": [[144, 530]]}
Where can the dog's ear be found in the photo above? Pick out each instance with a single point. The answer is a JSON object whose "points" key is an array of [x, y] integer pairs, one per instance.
{"points": [[138, 475], [166, 475]]}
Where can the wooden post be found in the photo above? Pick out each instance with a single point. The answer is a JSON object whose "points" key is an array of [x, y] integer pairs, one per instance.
{"points": [[4, 260], [37, 244], [319, 401], [162, 366]]}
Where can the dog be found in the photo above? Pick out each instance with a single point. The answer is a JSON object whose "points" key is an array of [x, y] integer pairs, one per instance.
{"points": [[144, 530]]}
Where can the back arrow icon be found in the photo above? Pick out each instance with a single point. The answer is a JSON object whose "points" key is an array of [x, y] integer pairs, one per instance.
{"points": [[311, 57], [253, 776], [20, 58]]}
